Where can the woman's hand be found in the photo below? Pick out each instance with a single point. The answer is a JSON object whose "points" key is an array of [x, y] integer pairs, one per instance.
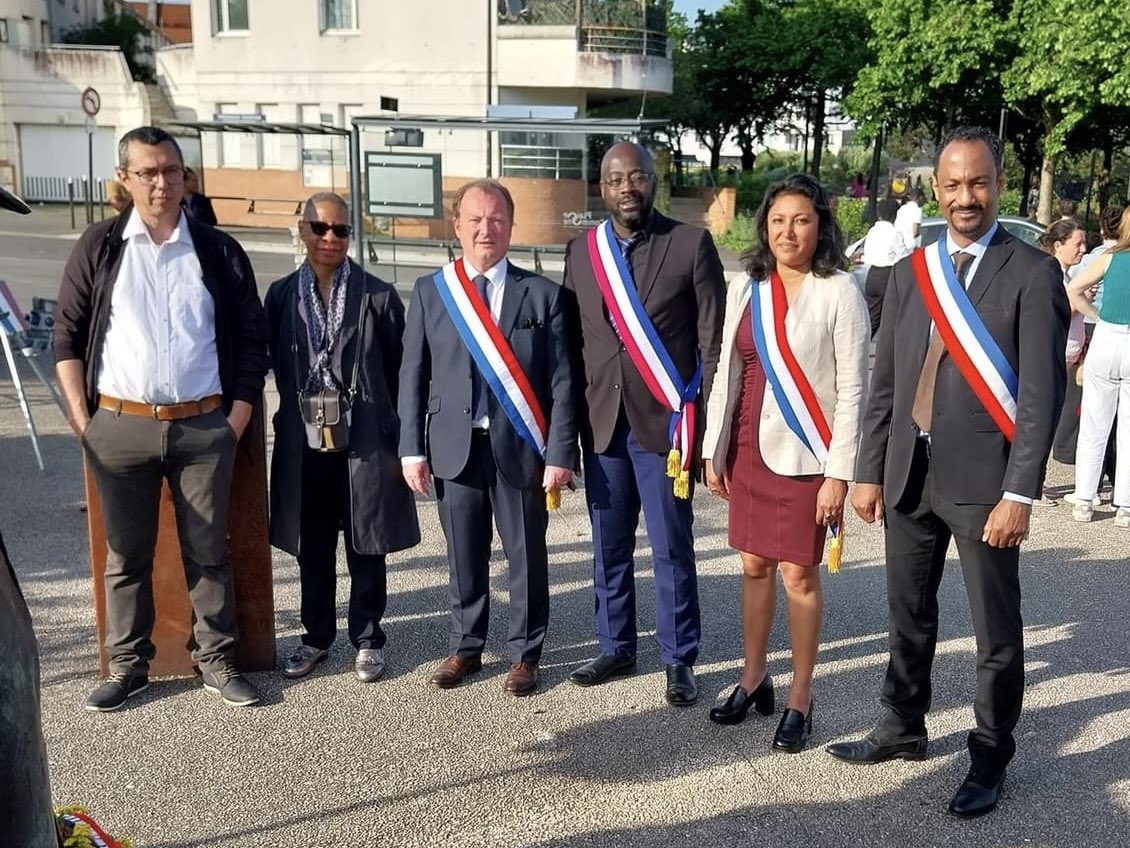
{"points": [[720, 486], [830, 502]]}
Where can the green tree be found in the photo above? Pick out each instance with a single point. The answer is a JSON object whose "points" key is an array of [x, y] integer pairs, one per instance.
{"points": [[1070, 63], [126, 32]]}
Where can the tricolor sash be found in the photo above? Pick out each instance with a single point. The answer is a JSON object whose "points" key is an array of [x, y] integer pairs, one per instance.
{"points": [[492, 354], [968, 342], [792, 390], [646, 350]]}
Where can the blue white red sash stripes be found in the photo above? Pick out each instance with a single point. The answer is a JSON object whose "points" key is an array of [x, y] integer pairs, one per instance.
{"points": [[791, 389], [968, 342], [645, 348], [492, 354]]}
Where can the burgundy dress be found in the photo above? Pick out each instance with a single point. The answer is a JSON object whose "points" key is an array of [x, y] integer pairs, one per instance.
{"points": [[770, 515]]}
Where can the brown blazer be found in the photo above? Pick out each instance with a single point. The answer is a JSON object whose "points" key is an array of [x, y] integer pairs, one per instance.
{"points": [[679, 278]]}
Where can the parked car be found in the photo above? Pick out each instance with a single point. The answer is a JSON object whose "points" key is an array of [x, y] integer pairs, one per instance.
{"points": [[932, 229]]}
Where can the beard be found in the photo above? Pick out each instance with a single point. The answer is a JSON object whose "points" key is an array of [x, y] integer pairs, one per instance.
{"points": [[635, 219]]}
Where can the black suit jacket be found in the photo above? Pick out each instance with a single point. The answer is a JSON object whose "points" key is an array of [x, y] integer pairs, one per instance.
{"points": [[435, 380], [1018, 292], [683, 291]]}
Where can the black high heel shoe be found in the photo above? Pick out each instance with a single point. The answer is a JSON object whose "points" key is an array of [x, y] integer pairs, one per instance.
{"points": [[738, 704], [793, 731]]}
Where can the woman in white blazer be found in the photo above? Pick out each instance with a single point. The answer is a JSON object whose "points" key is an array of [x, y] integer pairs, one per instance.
{"points": [[783, 423]]}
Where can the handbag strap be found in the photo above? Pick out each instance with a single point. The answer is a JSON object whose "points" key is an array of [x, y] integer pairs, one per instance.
{"points": [[362, 314]]}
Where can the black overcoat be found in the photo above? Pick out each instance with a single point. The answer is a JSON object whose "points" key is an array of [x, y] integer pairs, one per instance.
{"points": [[383, 509]]}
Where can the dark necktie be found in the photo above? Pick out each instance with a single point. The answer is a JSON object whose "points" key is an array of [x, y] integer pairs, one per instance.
{"points": [[922, 412], [478, 385]]}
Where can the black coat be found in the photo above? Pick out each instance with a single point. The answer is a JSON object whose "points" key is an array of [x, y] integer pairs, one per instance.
{"points": [[383, 507]]}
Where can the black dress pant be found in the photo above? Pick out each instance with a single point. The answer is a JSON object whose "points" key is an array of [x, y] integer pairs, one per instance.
{"points": [[874, 290], [918, 533], [325, 512], [466, 504]]}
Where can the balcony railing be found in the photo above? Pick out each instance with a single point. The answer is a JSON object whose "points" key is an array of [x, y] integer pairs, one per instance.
{"points": [[613, 26], [556, 163]]}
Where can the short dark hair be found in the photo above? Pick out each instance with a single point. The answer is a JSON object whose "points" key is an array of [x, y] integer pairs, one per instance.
{"points": [[829, 257], [309, 208], [1068, 207], [982, 134], [886, 209], [150, 136], [1058, 231], [484, 184], [1110, 219], [918, 195]]}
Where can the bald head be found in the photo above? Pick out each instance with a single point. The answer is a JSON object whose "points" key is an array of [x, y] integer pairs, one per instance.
{"points": [[627, 185]]}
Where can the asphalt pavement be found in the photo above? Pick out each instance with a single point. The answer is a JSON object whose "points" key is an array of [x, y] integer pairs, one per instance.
{"points": [[328, 761]]}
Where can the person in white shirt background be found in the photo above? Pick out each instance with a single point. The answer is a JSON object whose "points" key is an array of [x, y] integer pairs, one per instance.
{"points": [[883, 247], [908, 220]]}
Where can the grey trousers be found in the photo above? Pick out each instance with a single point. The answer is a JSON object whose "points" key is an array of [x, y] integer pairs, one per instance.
{"points": [[130, 456]]}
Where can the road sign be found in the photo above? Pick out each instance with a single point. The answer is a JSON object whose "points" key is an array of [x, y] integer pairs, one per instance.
{"points": [[91, 101]]}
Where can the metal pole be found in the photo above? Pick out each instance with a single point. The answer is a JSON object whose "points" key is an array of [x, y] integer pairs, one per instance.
{"points": [[90, 172], [71, 199], [1004, 124], [490, 76], [101, 200], [355, 197]]}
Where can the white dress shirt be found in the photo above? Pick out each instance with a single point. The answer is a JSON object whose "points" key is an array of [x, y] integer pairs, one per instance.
{"points": [[909, 214], [496, 284], [160, 344], [884, 245]]}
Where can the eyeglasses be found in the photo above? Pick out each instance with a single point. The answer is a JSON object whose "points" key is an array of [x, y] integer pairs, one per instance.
{"points": [[320, 228], [173, 175], [638, 180]]}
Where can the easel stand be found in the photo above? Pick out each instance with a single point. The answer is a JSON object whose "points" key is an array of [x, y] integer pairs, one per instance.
{"points": [[10, 357]]}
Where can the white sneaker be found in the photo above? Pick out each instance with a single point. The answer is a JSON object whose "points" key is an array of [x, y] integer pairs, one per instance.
{"points": [[1122, 517], [370, 664], [1082, 512], [1070, 498]]}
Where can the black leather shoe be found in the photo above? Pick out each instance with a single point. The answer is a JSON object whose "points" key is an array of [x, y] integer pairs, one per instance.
{"points": [[738, 704], [603, 668], [793, 731], [682, 691], [978, 793], [868, 751]]}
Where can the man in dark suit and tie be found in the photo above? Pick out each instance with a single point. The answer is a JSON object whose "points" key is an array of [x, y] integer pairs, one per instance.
{"points": [[458, 402], [672, 282], [945, 455]]}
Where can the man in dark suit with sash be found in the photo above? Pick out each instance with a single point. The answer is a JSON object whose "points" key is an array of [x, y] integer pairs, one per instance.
{"points": [[966, 391], [651, 297], [486, 407]]}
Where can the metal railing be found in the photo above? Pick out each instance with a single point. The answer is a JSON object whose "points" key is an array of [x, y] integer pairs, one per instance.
{"points": [[558, 163], [613, 39]]}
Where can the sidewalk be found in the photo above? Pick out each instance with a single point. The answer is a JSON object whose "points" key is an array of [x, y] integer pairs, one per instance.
{"points": [[327, 761]]}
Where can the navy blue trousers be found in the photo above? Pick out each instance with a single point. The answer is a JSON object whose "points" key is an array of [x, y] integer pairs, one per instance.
{"points": [[618, 483]]}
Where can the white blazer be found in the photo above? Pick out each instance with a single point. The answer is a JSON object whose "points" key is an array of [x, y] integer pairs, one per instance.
{"points": [[830, 333]]}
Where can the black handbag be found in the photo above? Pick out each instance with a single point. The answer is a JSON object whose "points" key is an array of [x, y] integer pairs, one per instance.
{"points": [[326, 412]]}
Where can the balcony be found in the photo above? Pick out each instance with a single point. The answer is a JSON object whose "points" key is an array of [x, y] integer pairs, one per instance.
{"points": [[611, 46]]}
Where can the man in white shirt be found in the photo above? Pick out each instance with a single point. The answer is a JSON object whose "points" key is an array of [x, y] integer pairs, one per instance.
{"points": [[161, 352], [884, 246], [908, 221]]}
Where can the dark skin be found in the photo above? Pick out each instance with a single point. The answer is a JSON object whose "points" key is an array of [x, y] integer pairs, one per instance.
{"points": [[968, 186], [631, 202]]}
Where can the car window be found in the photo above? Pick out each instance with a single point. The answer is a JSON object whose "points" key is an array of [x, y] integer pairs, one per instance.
{"points": [[931, 231]]}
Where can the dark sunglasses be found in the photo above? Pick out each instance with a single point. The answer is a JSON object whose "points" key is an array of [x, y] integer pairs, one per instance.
{"points": [[320, 228]]}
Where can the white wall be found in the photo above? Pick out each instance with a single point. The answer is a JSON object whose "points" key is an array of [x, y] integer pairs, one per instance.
{"points": [[24, 21], [43, 89]]}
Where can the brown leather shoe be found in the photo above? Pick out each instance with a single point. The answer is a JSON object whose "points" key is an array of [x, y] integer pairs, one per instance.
{"points": [[522, 679], [453, 669]]}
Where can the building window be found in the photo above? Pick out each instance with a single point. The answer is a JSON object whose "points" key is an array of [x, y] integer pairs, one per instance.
{"points": [[337, 14], [229, 15], [3, 30], [45, 32]]}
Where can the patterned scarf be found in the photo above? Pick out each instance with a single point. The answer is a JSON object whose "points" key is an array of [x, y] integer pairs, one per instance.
{"points": [[323, 326]]}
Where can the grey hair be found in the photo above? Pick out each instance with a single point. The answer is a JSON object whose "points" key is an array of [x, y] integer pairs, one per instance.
{"points": [[310, 213], [149, 136]]}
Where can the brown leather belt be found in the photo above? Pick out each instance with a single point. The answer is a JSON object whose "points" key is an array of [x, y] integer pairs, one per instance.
{"points": [[161, 411]]}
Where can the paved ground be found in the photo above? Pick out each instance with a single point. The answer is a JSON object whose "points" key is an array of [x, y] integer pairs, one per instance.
{"points": [[331, 762]]}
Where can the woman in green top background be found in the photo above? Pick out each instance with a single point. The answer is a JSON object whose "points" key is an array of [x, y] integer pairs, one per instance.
{"points": [[1106, 376]]}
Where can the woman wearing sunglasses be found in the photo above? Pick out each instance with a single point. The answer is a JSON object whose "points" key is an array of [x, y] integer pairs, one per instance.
{"points": [[336, 350]]}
